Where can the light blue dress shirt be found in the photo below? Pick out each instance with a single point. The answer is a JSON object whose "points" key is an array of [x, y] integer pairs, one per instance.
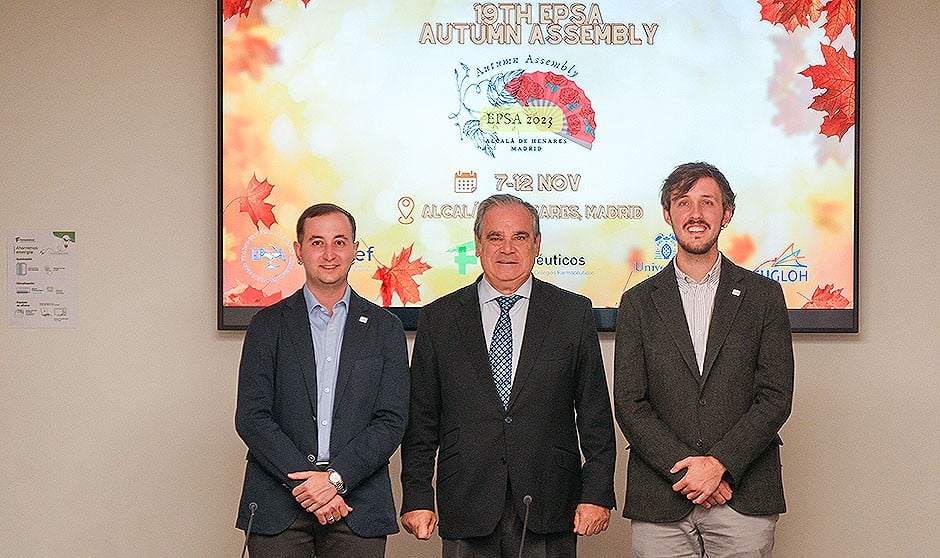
{"points": [[327, 332]]}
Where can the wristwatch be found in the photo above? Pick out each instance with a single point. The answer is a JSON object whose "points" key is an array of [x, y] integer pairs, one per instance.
{"points": [[337, 481]]}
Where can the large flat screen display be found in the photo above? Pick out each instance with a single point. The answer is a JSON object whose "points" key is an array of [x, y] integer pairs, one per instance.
{"points": [[408, 114]]}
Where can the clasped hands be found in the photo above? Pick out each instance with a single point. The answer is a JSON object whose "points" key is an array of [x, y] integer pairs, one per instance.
{"points": [[589, 519], [318, 496], [703, 482]]}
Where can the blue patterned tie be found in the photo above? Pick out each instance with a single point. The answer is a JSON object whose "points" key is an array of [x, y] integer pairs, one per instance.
{"points": [[501, 349]]}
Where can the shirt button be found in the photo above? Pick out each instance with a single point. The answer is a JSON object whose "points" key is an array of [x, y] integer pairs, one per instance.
{"points": [[323, 422], [329, 359], [507, 420], [326, 390]]}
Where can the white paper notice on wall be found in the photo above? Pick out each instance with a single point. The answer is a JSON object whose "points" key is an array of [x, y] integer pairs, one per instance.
{"points": [[42, 279]]}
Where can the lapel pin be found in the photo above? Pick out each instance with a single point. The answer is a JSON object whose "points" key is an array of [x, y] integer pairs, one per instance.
{"points": [[363, 319], [735, 292]]}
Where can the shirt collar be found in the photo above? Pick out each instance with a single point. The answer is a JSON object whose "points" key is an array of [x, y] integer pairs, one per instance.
{"points": [[313, 303], [488, 293], [710, 278]]}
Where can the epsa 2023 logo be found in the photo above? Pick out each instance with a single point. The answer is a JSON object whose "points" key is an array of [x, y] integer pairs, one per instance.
{"points": [[522, 110]]}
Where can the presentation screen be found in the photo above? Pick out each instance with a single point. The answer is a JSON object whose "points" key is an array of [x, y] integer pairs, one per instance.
{"points": [[409, 114]]}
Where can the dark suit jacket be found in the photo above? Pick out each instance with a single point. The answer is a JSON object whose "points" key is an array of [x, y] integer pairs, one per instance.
{"points": [[558, 395], [277, 404], [733, 411]]}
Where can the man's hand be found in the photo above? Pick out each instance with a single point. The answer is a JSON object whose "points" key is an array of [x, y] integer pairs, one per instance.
{"points": [[590, 519], [315, 491], [702, 477], [420, 523], [333, 511], [719, 497]]}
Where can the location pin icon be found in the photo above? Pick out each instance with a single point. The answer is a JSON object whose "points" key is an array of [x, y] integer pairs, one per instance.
{"points": [[406, 206]]}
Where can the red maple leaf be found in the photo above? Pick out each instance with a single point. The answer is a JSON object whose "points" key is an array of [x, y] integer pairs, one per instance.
{"points": [[245, 295], [837, 77], [398, 278], [232, 8], [790, 13], [826, 299], [254, 205], [839, 13]]}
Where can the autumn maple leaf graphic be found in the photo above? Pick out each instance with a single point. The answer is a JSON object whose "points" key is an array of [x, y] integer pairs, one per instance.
{"points": [[825, 298], [254, 205], [837, 77], [246, 295], [839, 13], [398, 278], [232, 8], [790, 13]]}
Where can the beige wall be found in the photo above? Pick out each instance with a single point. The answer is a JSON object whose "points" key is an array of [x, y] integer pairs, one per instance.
{"points": [[116, 437]]}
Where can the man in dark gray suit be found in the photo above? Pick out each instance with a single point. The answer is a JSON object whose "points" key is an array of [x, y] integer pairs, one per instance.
{"points": [[703, 381], [508, 393], [322, 405]]}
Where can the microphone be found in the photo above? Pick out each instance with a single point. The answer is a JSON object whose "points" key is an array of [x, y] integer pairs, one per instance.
{"points": [[253, 507], [527, 500]]}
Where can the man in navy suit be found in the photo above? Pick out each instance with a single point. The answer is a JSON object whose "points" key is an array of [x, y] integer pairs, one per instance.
{"points": [[322, 404], [517, 415], [703, 381]]}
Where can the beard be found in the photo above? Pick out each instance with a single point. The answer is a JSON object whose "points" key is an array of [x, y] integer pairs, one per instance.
{"points": [[699, 247]]}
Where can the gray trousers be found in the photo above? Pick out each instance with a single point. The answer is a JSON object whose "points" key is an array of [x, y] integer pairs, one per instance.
{"points": [[717, 532]]}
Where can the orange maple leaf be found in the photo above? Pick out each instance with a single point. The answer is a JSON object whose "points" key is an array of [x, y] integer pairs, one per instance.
{"points": [[246, 295], [232, 8], [790, 13], [837, 77], [839, 13], [254, 205], [247, 53], [398, 278], [824, 298]]}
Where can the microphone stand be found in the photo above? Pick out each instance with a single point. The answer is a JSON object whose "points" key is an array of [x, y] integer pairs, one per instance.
{"points": [[254, 507], [527, 500]]}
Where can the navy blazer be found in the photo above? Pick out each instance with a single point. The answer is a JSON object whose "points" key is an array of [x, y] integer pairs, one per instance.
{"points": [[277, 404], [732, 411], [559, 410]]}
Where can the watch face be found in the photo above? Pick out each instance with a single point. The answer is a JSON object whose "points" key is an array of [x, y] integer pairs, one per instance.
{"points": [[334, 477]]}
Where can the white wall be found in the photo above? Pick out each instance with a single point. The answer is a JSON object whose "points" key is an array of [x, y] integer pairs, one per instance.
{"points": [[116, 437]]}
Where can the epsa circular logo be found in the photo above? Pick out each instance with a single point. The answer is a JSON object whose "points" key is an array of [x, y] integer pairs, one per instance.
{"points": [[267, 256]]}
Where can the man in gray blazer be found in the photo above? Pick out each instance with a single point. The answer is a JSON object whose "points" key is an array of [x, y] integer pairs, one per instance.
{"points": [[703, 382], [322, 404], [537, 442]]}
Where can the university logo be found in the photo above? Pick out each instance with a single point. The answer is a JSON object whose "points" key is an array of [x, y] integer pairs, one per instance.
{"points": [[665, 247]]}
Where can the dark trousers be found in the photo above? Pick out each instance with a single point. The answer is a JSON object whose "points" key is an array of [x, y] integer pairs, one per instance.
{"points": [[306, 538], [504, 542]]}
